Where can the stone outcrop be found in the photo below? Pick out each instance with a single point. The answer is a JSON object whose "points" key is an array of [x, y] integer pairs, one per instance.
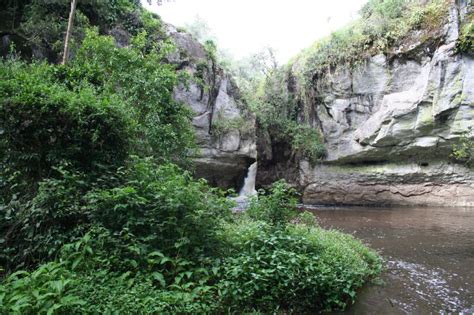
{"points": [[407, 184], [224, 154], [389, 126]]}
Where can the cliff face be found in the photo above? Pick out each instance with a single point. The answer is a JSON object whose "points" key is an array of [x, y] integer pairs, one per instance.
{"points": [[390, 124], [225, 130]]}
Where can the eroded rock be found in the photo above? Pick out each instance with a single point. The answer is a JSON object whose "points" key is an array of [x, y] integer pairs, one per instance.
{"points": [[384, 119], [223, 157]]}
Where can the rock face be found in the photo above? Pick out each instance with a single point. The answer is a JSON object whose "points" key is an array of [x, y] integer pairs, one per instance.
{"points": [[435, 184], [389, 126], [225, 153]]}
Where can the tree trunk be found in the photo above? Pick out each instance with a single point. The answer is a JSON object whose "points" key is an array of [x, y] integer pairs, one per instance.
{"points": [[69, 31]]}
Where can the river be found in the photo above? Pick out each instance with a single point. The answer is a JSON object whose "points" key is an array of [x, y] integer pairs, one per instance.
{"points": [[429, 256]]}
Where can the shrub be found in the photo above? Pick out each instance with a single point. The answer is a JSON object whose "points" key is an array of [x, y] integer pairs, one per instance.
{"points": [[47, 290], [276, 208], [306, 141], [45, 123], [297, 269], [159, 243], [465, 42], [163, 207], [35, 230], [142, 79], [463, 151]]}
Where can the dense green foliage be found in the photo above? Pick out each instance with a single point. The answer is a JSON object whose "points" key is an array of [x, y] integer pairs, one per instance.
{"points": [[463, 151], [45, 122], [98, 214], [277, 208], [466, 36], [38, 26], [92, 113], [296, 268], [162, 242]]}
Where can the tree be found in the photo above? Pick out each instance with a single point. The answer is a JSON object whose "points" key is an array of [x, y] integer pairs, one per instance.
{"points": [[69, 31]]}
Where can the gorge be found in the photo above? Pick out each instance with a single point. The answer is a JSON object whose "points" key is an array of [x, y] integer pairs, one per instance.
{"points": [[141, 172], [388, 125]]}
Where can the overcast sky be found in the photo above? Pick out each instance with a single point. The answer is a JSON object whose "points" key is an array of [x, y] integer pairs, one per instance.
{"points": [[245, 26]]}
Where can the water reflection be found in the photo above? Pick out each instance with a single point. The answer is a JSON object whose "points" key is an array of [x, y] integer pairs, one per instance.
{"points": [[429, 255]]}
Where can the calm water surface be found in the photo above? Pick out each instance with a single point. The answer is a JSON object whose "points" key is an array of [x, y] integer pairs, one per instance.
{"points": [[429, 255]]}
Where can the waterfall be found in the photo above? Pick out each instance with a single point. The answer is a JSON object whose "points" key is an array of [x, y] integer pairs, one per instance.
{"points": [[249, 183], [248, 189]]}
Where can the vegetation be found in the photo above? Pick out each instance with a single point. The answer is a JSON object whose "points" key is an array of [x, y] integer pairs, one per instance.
{"points": [[463, 152], [98, 213], [162, 242], [382, 28], [466, 36], [282, 97]]}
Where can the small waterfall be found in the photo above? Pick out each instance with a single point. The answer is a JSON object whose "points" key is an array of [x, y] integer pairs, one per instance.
{"points": [[248, 189], [249, 183]]}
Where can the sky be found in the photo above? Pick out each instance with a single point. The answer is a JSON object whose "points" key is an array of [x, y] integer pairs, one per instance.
{"points": [[243, 27]]}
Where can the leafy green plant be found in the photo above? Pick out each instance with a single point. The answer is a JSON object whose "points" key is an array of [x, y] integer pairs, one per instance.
{"points": [[297, 269], [466, 37], [47, 290], [145, 82], [306, 141], [277, 207], [463, 151], [210, 263], [35, 230], [163, 208], [45, 123]]}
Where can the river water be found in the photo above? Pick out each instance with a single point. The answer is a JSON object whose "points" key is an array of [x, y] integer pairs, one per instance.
{"points": [[429, 256]]}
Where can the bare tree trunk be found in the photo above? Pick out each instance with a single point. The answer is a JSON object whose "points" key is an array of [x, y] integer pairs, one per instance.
{"points": [[69, 31]]}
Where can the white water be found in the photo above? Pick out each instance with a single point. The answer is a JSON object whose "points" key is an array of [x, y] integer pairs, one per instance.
{"points": [[248, 189]]}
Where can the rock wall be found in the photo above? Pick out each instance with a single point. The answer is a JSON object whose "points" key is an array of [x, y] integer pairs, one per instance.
{"points": [[389, 126], [407, 184], [223, 157]]}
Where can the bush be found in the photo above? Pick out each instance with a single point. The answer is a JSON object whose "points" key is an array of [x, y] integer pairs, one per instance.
{"points": [[107, 103], [35, 230], [142, 79], [463, 151], [465, 42], [47, 290], [277, 208], [306, 141], [163, 207], [297, 269], [162, 243], [44, 124]]}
